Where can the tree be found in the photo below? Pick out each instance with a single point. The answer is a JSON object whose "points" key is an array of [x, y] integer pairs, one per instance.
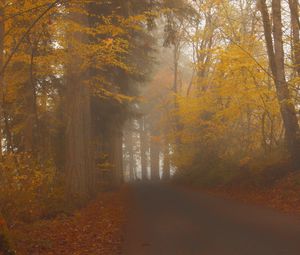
{"points": [[79, 166], [166, 160], [155, 156], [294, 12], [144, 144], [276, 60]]}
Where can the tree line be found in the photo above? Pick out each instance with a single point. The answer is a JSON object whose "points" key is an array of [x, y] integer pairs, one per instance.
{"points": [[225, 93], [97, 92]]}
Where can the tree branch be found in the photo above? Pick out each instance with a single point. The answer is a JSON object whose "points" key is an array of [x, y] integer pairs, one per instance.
{"points": [[3, 69]]}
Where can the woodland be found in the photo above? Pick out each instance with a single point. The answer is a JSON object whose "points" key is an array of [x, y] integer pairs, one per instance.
{"points": [[98, 93]]}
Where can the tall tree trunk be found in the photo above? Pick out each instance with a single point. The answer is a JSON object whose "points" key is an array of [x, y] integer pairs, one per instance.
{"points": [[154, 157], [129, 150], [293, 4], [78, 137], [5, 241], [2, 33], [166, 162], [176, 91], [31, 110], [112, 140], [116, 155], [79, 165], [276, 59], [6, 132], [143, 147]]}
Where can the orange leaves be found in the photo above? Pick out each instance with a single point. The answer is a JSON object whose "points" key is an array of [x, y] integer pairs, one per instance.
{"points": [[22, 182], [96, 229], [2, 222]]}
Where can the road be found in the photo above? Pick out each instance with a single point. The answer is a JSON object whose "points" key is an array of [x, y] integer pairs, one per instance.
{"points": [[165, 220]]}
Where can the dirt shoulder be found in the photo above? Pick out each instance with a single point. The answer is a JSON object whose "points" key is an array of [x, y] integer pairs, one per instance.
{"points": [[283, 196], [96, 229]]}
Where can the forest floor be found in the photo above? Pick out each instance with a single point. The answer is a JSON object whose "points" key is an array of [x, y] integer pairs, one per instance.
{"points": [[95, 229], [283, 195]]}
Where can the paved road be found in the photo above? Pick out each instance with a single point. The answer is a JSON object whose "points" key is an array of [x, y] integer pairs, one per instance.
{"points": [[169, 221]]}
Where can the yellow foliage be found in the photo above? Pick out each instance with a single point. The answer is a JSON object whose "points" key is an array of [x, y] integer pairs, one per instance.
{"points": [[21, 185]]}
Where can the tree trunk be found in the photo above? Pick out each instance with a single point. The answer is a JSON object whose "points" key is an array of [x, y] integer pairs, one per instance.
{"points": [[293, 4], [79, 166], [276, 60], [143, 147], [2, 33], [166, 163], [6, 132], [6, 246], [31, 110], [78, 137], [116, 155], [129, 150], [176, 91], [154, 158]]}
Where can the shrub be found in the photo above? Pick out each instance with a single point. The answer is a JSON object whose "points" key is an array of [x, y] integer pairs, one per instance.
{"points": [[22, 181], [258, 171]]}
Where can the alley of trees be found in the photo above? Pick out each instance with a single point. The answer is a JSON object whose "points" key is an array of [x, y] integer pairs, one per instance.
{"points": [[98, 93]]}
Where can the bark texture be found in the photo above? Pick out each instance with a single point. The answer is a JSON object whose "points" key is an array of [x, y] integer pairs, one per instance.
{"points": [[274, 44], [79, 160]]}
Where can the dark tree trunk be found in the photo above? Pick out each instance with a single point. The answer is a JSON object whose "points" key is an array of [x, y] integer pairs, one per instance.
{"points": [[293, 4], [129, 150], [116, 156], [143, 147], [166, 162], [6, 246], [78, 137], [176, 91], [79, 160], [154, 158], [276, 59], [31, 109], [2, 33]]}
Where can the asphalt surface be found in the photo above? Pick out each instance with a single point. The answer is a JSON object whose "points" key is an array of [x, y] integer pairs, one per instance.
{"points": [[165, 220]]}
